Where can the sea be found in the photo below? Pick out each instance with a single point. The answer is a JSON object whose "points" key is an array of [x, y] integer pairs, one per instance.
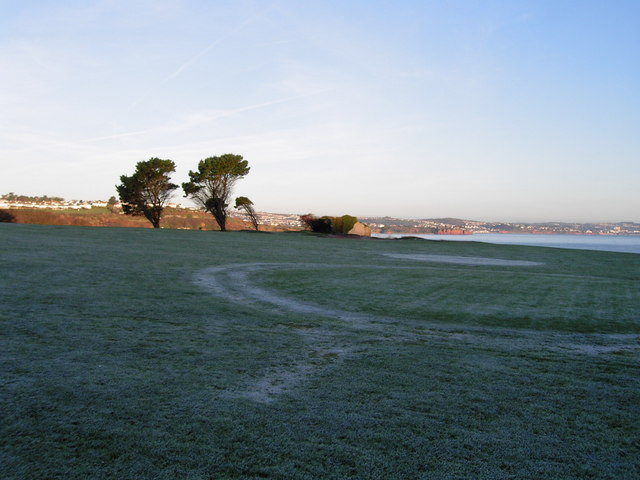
{"points": [[609, 243]]}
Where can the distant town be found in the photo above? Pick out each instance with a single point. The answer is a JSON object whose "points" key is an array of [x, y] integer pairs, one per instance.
{"points": [[442, 226], [455, 226]]}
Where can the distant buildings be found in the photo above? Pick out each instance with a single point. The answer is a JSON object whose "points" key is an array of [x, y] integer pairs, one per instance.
{"points": [[288, 220], [53, 205]]}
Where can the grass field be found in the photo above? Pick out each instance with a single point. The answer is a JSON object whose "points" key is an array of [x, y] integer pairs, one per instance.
{"points": [[135, 353]]}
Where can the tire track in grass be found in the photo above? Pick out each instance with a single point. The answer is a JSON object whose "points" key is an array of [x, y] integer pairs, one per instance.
{"points": [[325, 351], [233, 283]]}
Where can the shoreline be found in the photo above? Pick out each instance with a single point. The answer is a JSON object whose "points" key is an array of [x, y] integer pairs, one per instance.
{"points": [[599, 242], [585, 234]]}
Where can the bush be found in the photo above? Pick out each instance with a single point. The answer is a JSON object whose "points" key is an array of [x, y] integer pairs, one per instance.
{"points": [[315, 224], [348, 222], [337, 225]]}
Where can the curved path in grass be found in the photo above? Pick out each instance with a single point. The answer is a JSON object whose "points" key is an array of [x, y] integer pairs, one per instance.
{"points": [[233, 283]]}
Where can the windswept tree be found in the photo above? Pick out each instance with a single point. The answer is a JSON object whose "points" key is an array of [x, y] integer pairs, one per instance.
{"points": [[211, 185], [246, 206], [147, 191]]}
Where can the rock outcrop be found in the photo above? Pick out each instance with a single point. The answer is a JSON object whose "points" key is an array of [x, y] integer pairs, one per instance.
{"points": [[360, 229]]}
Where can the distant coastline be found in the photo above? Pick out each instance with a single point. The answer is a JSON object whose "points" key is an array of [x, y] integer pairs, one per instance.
{"points": [[447, 226], [58, 211], [600, 242]]}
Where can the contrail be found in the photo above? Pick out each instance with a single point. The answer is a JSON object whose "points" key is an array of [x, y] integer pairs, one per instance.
{"points": [[268, 103], [223, 114], [203, 52], [115, 136], [195, 58]]}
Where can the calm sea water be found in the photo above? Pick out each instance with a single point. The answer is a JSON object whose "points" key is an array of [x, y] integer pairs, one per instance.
{"points": [[609, 243]]}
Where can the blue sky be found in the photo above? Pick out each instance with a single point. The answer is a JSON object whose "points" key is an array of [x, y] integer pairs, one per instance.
{"points": [[490, 110]]}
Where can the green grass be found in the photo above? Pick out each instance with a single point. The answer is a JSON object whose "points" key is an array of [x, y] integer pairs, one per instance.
{"points": [[474, 296], [124, 355]]}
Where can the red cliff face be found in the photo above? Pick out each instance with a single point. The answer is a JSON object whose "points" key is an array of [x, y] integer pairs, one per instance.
{"points": [[452, 231]]}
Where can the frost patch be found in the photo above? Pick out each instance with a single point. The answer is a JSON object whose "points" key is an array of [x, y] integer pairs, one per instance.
{"points": [[460, 260], [283, 380], [276, 383]]}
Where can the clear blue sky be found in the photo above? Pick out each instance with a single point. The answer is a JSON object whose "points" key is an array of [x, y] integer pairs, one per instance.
{"points": [[491, 110]]}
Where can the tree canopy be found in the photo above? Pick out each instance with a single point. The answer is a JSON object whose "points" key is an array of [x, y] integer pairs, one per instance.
{"points": [[147, 191], [211, 185]]}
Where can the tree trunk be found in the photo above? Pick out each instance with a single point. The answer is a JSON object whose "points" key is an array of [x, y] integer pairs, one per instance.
{"points": [[218, 209], [154, 218], [222, 221]]}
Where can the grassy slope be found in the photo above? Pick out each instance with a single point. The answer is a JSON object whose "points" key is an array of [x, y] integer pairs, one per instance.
{"points": [[116, 363]]}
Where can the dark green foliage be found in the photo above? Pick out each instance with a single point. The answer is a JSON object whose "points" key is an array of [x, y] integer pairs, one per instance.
{"points": [[211, 185], [315, 224], [326, 224], [348, 222], [342, 225], [336, 224], [147, 191]]}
